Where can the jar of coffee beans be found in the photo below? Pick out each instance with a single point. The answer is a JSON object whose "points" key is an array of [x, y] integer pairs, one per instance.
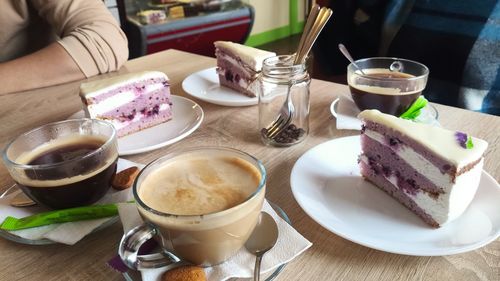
{"points": [[283, 101]]}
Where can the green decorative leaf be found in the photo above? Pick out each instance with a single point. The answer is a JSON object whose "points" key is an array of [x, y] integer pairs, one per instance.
{"points": [[469, 143], [414, 110]]}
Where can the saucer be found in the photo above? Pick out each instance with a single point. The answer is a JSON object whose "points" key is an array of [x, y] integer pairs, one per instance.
{"points": [[428, 115], [18, 239], [205, 86], [133, 275]]}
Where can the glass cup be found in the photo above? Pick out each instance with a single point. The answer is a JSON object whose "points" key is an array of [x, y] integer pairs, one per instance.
{"points": [[210, 235], [64, 164], [390, 85]]}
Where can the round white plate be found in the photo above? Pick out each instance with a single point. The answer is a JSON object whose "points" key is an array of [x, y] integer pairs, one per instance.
{"points": [[327, 184], [187, 117], [205, 86]]}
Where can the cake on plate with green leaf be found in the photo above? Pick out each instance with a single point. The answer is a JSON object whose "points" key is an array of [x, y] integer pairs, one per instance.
{"points": [[433, 171]]}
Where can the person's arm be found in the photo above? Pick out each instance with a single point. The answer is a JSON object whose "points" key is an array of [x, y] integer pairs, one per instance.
{"points": [[91, 43], [49, 66]]}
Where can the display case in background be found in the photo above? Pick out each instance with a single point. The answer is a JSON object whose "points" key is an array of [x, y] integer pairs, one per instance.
{"points": [[190, 26]]}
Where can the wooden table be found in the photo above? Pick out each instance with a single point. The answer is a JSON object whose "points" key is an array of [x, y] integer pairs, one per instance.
{"points": [[330, 258]]}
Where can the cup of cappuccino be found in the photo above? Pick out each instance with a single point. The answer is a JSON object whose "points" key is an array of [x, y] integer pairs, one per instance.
{"points": [[200, 205], [390, 85], [64, 164]]}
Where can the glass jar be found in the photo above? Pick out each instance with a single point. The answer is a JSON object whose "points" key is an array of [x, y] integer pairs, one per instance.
{"points": [[283, 123]]}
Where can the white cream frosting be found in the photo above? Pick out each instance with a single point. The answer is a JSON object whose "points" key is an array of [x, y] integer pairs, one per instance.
{"points": [[251, 56], [440, 141], [98, 87]]}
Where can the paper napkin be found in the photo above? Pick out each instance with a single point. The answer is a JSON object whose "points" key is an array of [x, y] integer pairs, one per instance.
{"points": [[66, 233], [290, 244], [347, 113]]}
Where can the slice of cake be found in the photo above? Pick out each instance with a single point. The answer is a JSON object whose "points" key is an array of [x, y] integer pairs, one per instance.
{"points": [[131, 102], [434, 172], [238, 65]]}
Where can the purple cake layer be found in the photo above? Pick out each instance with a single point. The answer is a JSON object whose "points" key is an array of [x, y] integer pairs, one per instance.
{"points": [[234, 85], [145, 122], [146, 104], [381, 182], [137, 87], [389, 164], [231, 76], [395, 138]]}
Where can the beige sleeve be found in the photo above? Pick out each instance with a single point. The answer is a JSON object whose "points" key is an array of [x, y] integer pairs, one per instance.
{"points": [[88, 32]]}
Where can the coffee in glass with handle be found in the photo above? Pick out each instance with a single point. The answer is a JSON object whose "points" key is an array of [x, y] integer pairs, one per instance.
{"points": [[390, 85], [200, 205]]}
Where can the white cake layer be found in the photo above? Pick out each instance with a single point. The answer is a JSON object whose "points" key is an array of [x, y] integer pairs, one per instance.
{"points": [[98, 87], [116, 101], [415, 160], [250, 56], [439, 141]]}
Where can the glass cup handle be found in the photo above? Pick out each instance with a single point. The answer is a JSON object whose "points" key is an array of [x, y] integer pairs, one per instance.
{"points": [[133, 240]]}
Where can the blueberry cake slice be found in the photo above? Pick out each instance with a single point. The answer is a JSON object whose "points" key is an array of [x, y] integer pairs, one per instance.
{"points": [[131, 102], [433, 171], [238, 65]]}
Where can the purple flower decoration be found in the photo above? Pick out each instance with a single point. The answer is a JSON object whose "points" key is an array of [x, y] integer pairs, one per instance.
{"points": [[464, 140]]}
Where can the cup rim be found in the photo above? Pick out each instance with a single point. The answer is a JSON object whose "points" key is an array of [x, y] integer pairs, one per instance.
{"points": [[108, 142], [292, 68], [257, 191], [423, 76]]}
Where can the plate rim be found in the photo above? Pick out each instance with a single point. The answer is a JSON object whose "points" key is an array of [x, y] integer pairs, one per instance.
{"points": [[200, 118], [358, 239], [245, 101], [200, 115]]}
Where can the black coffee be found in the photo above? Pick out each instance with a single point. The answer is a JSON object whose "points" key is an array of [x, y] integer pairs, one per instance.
{"points": [[393, 101], [67, 152], [78, 180]]}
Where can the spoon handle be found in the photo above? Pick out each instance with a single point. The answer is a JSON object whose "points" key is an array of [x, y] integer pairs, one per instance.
{"points": [[256, 270]]}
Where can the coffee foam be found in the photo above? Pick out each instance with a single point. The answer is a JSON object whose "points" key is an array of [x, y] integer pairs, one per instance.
{"points": [[199, 184], [378, 89], [29, 156]]}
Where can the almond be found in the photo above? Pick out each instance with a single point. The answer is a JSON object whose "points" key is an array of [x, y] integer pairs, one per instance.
{"points": [[125, 178]]}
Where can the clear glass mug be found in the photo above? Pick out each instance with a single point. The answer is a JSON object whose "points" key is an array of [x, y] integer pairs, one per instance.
{"points": [[203, 240], [390, 85], [64, 164], [278, 78]]}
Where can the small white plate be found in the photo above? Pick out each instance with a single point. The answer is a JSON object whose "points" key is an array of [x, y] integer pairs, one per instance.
{"points": [[187, 117], [327, 184], [205, 86]]}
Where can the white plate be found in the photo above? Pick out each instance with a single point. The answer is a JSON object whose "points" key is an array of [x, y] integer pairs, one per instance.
{"points": [[187, 117], [205, 86], [327, 184]]}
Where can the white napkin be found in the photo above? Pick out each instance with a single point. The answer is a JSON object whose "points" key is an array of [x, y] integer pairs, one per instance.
{"points": [[66, 233], [347, 113], [290, 244]]}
